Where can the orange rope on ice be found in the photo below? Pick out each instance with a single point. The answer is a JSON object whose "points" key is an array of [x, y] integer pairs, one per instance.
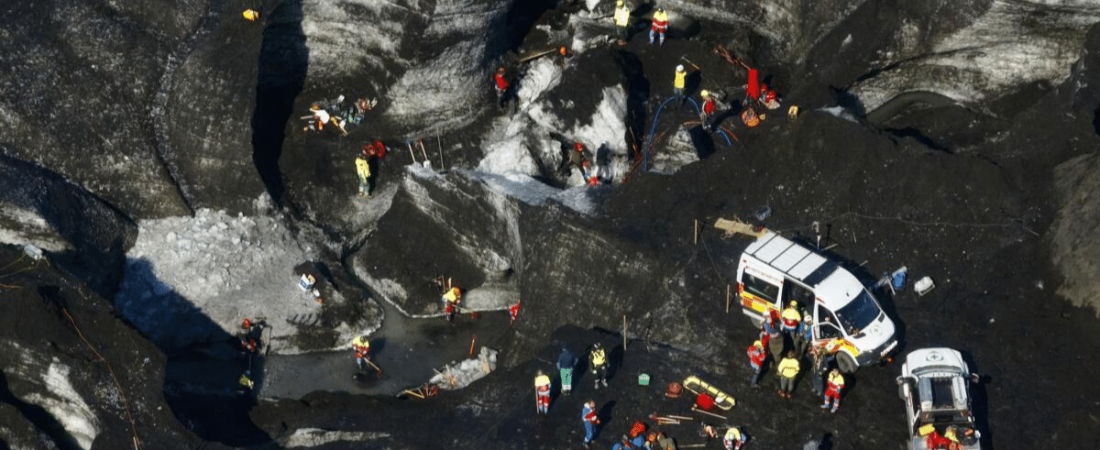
{"points": [[121, 393]]}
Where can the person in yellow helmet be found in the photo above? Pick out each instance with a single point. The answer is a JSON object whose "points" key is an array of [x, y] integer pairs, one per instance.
{"points": [[836, 384], [542, 393], [757, 358], [788, 370], [362, 169], [450, 300], [245, 382], [622, 21], [791, 318], [660, 25], [597, 361], [361, 345], [734, 439]]}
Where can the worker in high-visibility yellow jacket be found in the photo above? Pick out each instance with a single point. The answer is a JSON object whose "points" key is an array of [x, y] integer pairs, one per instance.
{"points": [[362, 169], [679, 81], [788, 370], [597, 361], [542, 393], [734, 439], [622, 21], [791, 318], [836, 384]]}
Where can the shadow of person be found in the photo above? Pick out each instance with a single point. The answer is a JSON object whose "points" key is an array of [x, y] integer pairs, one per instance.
{"points": [[605, 416]]}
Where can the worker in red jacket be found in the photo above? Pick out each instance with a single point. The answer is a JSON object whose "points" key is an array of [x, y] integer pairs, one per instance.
{"points": [[660, 25], [757, 357], [708, 117], [590, 419], [501, 85], [836, 384]]}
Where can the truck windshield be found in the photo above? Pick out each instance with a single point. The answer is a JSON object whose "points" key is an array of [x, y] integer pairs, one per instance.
{"points": [[859, 313]]}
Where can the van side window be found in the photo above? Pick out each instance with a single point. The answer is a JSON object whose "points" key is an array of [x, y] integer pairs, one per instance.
{"points": [[826, 324], [793, 291], [760, 288]]}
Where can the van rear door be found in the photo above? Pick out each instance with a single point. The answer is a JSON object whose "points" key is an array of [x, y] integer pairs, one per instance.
{"points": [[759, 291]]}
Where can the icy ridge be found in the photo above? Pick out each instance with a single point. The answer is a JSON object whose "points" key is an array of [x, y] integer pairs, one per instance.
{"points": [[998, 51]]}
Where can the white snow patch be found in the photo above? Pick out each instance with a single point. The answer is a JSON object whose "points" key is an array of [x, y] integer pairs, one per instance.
{"points": [[313, 437], [505, 151], [542, 75], [56, 394], [185, 272], [32, 229], [841, 113], [67, 406]]}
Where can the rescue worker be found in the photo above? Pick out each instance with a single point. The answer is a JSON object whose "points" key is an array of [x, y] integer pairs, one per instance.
{"points": [[578, 160], [679, 82], [821, 364], [968, 438], [804, 335], [836, 384], [660, 25], [361, 345], [757, 357], [566, 361], [590, 419], [318, 118], [788, 370], [749, 117], [664, 442], [791, 318], [775, 341], [624, 444], [734, 439], [450, 300], [501, 85], [622, 21], [597, 360], [542, 393], [362, 169], [603, 163], [708, 118], [245, 382]]}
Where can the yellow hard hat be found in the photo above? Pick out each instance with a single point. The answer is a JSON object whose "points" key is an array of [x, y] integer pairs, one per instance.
{"points": [[757, 344], [794, 304], [619, 3], [705, 93], [251, 14], [455, 291]]}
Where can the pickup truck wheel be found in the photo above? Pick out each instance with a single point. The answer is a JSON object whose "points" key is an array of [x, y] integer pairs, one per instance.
{"points": [[846, 363]]}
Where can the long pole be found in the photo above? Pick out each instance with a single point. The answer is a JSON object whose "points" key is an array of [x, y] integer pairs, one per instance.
{"points": [[624, 332], [439, 142], [472, 340], [727, 299]]}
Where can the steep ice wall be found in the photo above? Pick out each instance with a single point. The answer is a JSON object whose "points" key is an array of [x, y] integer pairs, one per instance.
{"points": [[47, 384], [1009, 45]]}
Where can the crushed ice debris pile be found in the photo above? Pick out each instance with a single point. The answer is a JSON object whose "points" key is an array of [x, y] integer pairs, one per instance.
{"points": [[461, 374]]}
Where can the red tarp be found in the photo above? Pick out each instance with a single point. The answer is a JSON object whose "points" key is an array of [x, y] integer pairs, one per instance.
{"points": [[754, 84]]}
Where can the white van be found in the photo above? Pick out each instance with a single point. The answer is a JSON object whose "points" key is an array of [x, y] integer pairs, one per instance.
{"points": [[775, 271], [935, 385]]}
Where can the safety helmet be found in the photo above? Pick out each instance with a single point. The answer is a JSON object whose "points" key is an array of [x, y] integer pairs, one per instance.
{"points": [[794, 304], [808, 319], [500, 69], [578, 146], [562, 50], [597, 345], [705, 93], [251, 15], [539, 372], [680, 68], [246, 324], [757, 344], [314, 107], [619, 3], [455, 291]]}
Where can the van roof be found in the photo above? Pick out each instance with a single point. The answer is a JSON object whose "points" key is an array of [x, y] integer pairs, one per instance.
{"points": [[798, 262]]}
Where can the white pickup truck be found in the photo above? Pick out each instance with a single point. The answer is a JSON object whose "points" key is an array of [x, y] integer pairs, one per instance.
{"points": [[935, 385]]}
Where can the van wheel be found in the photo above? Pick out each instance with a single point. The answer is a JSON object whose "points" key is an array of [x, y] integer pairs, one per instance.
{"points": [[846, 363]]}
